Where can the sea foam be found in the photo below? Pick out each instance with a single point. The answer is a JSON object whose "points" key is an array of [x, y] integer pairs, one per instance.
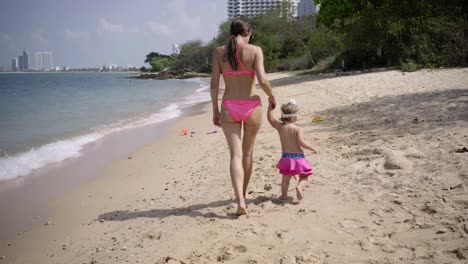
{"points": [[24, 163]]}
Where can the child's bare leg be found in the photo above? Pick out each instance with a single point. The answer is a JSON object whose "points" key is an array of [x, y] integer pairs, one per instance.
{"points": [[303, 180], [285, 187]]}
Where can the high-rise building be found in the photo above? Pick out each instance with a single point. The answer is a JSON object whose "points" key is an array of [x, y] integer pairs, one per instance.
{"points": [[306, 8], [20, 63], [2, 68], [25, 60], [38, 61], [250, 8], [47, 62], [14, 64]]}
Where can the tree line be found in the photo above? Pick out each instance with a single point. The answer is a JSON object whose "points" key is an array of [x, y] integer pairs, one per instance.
{"points": [[408, 34]]}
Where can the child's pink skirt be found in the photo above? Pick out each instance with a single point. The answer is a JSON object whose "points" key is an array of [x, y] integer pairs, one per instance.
{"points": [[292, 164]]}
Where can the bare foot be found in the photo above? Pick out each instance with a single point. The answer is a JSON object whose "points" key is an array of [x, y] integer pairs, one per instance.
{"points": [[299, 194], [284, 198], [241, 211]]}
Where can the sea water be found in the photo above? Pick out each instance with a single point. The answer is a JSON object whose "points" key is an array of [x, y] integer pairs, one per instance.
{"points": [[46, 118]]}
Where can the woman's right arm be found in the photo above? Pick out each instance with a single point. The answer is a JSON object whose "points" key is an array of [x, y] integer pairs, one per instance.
{"points": [[261, 77], [214, 87]]}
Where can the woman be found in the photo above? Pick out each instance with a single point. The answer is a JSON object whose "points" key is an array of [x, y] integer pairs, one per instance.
{"points": [[241, 108]]}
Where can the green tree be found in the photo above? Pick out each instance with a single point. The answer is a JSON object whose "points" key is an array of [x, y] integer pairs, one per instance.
{"points": [[386, 32], [194, 56], [152, 55], [160, 63]]}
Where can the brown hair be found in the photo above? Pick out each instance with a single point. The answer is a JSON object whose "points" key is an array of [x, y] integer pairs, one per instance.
{"points": [[288, 109], [239, 26]]}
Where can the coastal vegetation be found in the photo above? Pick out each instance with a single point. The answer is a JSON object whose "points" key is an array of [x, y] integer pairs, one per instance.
{"points": [[362, 34]]}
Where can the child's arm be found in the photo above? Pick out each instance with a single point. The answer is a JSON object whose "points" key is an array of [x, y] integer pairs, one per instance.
{"points": [[301, 142], [271, 119]]}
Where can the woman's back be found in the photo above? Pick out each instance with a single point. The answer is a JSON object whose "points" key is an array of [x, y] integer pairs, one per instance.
{"points": [[240, 82]]}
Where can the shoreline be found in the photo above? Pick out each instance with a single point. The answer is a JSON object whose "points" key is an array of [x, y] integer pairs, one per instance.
{"points": [[387, 188], [71, 143], [27, 196], [169, 75]]}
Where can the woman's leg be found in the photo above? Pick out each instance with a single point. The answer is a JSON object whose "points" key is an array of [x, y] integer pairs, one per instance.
{"points": [[232, 131], [251, 128]]}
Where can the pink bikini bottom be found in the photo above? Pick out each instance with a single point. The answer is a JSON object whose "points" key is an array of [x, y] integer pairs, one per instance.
{"points": [[240, 109]]}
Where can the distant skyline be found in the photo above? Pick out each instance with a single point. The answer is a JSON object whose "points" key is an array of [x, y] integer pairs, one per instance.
{"points": [[94, 33]]}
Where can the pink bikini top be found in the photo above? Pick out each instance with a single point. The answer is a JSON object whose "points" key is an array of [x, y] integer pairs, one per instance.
{"points": [[244, 71]]}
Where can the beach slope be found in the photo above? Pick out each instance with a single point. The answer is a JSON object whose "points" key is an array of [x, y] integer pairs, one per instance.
{"points": [[390, 185]]}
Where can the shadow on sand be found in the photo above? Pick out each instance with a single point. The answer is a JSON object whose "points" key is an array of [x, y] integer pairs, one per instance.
{"points": [[408, 114], [317, 76], [192, 211]]}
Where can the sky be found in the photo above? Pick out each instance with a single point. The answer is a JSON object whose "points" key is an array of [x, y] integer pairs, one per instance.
{"points": [[85, 33]]}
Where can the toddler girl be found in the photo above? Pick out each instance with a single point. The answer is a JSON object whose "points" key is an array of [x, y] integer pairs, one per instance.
{"points": [[292, 161]]}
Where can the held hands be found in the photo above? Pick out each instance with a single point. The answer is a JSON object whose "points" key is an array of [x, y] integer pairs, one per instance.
{"points": [[216, 118], [271, 102]]}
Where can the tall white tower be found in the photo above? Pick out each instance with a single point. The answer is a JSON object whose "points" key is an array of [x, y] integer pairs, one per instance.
{"points": [[47, 60], [175, 48], [38, 61]]}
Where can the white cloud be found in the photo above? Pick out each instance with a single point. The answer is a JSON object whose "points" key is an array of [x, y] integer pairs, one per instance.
{"points": [[37, 36], [7, 37], [133, 30], [177, 22], [106, 26], [76, 35], [186, 21], [158, 28]]}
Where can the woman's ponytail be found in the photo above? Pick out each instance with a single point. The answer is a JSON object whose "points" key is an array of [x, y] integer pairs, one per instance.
{"points": [[231, 52], [239, 26]]}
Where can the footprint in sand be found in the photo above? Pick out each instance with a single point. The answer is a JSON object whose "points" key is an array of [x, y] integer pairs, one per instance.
{"points": [[350, 225], [230, 252], [288, 260], [170, 260], [210, 234]]}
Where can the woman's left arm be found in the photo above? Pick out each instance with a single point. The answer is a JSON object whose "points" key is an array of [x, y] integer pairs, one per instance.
{"points": [[214, 87]]}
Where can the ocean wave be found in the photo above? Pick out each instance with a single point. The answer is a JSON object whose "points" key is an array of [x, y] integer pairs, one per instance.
{"points": [[201, 95], [24, 163]]}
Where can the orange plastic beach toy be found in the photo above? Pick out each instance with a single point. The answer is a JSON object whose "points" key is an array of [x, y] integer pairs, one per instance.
{"points": [[318, 118]]}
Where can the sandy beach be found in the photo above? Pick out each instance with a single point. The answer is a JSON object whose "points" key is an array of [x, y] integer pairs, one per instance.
{"points": [[390, 185]]}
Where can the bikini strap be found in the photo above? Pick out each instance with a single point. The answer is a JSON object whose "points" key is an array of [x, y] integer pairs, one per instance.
{"points": [[237, 56]]}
